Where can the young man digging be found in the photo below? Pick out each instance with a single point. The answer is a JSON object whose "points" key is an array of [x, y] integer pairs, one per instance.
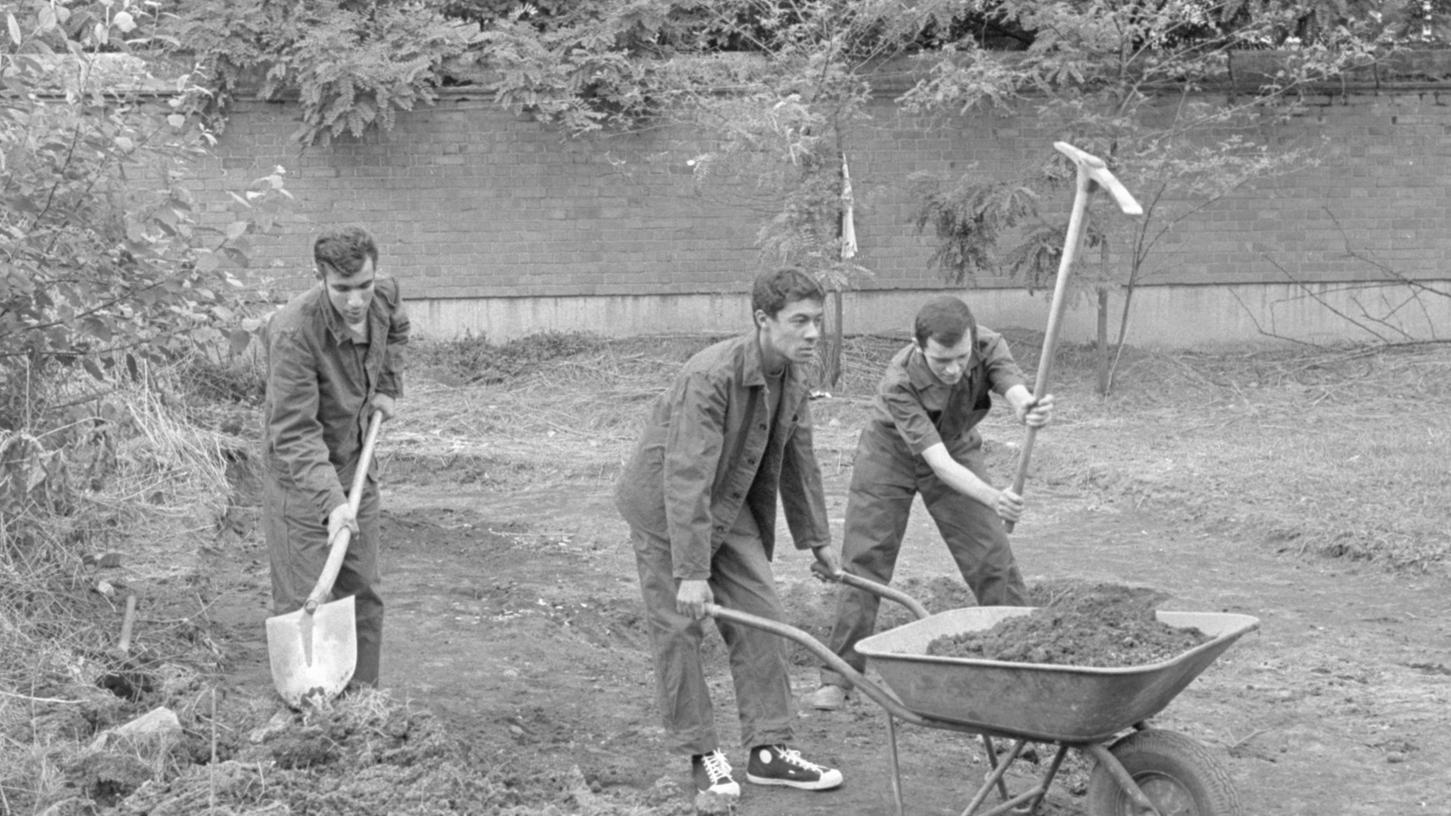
{"points": [[699, 493], [334, 356], [922, 439]]}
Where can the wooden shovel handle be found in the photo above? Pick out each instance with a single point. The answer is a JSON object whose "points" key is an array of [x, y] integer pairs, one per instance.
{"points": [[339, 546]]}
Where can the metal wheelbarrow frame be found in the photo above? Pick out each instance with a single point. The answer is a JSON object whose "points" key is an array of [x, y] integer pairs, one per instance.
{"points": [[1101, 712]]}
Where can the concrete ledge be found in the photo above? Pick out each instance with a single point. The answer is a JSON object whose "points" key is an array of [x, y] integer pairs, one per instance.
{"points": [[1164, 317]]}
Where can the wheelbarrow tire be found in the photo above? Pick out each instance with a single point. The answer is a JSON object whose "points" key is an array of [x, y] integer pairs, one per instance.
{"points": [[1178, 775]]}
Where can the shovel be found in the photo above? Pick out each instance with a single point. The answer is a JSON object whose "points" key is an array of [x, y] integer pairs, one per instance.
{"points": [[314, 650]]}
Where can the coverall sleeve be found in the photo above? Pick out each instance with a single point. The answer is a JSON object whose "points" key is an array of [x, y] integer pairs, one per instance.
{"points": [[910, 417], [1002, 370], [693, 444], [390, 382], [293, 428], [803, 498]]}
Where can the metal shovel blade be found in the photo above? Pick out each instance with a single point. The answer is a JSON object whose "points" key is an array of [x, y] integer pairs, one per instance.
{"points": [[313, 655]]}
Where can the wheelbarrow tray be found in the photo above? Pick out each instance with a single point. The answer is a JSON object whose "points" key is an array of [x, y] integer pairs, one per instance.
{"points": [[1037, 701]]}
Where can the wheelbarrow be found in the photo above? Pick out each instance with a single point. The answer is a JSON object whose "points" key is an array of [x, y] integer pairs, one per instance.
{"points": [[1100, 712]]}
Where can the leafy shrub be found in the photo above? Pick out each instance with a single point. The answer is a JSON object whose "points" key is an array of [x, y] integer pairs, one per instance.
{"points": [[104, 261], [351, 65]]}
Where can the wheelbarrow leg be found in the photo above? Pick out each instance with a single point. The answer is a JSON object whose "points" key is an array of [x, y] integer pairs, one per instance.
{"points": [[995, 777], [896, 768], [1048, 778], [992, 761]]}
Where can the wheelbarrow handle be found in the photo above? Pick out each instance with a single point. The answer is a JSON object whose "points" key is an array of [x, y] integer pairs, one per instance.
{"points": [[339, 546], [878, 694], [880, 590]]}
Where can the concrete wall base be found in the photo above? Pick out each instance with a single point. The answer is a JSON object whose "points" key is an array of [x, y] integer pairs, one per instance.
{"points": [[1163, 317]]}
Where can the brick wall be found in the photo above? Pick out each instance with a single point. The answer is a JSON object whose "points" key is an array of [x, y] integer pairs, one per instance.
{"points": [[471, 202]]}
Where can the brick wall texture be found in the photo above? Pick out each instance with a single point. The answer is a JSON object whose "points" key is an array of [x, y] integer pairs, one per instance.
{"points": [[470, 201]]}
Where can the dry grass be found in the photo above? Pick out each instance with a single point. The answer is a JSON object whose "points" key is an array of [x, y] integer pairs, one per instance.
{"points": [[128, 475], [122, 471], [1330, 451]]}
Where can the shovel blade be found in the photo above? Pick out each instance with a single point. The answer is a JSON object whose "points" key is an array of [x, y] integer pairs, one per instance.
{"points": [[313, 655]]}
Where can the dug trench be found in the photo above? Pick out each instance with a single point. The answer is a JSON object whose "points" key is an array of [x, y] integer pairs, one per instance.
{"points": [[515, 631]]}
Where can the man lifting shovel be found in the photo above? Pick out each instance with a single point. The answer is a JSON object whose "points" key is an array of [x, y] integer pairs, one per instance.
{"points": [[334, 361]]}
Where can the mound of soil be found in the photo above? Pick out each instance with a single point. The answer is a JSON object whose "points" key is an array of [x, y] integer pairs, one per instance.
{"points": [[1101, 625]]}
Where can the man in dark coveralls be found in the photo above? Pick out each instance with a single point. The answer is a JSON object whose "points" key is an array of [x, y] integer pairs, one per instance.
{"points": [[699, 493], [334, 356], [922, 439]]}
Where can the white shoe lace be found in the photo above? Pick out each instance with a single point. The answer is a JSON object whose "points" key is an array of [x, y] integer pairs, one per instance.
{"points": [[717, 768], [793, 757]]}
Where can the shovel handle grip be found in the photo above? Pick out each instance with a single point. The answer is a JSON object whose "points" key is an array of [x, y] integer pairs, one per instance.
{"points": [[868, 585], [339, 546]]}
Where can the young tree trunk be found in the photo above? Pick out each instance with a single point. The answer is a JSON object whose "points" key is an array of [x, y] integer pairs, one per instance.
{"points": [[1103, 354], [831, 373]]}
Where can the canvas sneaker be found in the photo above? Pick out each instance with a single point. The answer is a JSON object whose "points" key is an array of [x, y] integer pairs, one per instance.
{"points": [[779, 765], [712, 774], [828, 698]]}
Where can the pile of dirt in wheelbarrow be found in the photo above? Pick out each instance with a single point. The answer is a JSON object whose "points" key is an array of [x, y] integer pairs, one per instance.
{"points": [[1100, 625]]}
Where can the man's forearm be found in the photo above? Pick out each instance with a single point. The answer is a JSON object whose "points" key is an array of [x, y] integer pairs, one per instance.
{"points": [[957, 477]]}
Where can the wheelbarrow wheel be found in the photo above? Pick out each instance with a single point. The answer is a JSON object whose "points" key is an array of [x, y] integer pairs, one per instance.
{"points": [[1178, 775]]}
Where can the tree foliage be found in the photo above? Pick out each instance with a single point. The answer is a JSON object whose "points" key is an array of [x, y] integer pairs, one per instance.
{"points": [[1176, 96], [351, 65], [104, 261]]}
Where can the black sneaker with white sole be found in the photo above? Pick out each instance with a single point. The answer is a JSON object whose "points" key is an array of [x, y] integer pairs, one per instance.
{"points": [[779, 765], [712, 773]]}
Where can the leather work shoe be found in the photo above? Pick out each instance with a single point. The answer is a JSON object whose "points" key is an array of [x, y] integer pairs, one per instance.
{"points": [[828, 698], [779, 765]]}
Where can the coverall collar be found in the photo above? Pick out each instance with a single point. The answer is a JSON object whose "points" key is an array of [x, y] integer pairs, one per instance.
{"points": [[753, 372], [918, 371]]}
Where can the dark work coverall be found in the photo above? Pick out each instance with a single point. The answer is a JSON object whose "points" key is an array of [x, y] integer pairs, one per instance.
{"points": [[699, 494], [320, 386], [914, 411]]}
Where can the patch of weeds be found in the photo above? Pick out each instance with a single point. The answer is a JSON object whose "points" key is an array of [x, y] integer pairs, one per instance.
{"points": [[235, 381], [473, 359]]}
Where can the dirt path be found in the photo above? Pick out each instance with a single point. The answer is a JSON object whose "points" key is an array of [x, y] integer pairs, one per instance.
{"points": [[516, 616]]}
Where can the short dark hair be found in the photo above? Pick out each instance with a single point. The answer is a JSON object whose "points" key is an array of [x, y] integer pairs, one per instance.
{"points": [[344, 250], [944, 319], [778, 287]]}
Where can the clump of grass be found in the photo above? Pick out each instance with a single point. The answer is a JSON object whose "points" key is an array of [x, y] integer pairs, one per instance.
{"points": [[473, 359], [568, 414]]}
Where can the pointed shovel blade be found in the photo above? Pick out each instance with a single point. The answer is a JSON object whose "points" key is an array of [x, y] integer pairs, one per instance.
{"points": [[313, 655]]}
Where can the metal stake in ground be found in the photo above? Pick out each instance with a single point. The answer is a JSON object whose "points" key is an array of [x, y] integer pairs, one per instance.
{"points": [[1092, 174]]}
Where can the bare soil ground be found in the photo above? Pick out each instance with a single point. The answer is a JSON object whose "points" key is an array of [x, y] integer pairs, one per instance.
{"points": [[517, 678]]}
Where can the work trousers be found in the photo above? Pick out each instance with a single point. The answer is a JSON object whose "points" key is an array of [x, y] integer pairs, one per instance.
{"points": [[297, 547], [883, 485], [740, 579]]}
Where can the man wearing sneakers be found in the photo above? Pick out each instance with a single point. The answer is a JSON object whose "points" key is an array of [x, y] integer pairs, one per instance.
{"points": [[699, 493], [922, 439]]}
